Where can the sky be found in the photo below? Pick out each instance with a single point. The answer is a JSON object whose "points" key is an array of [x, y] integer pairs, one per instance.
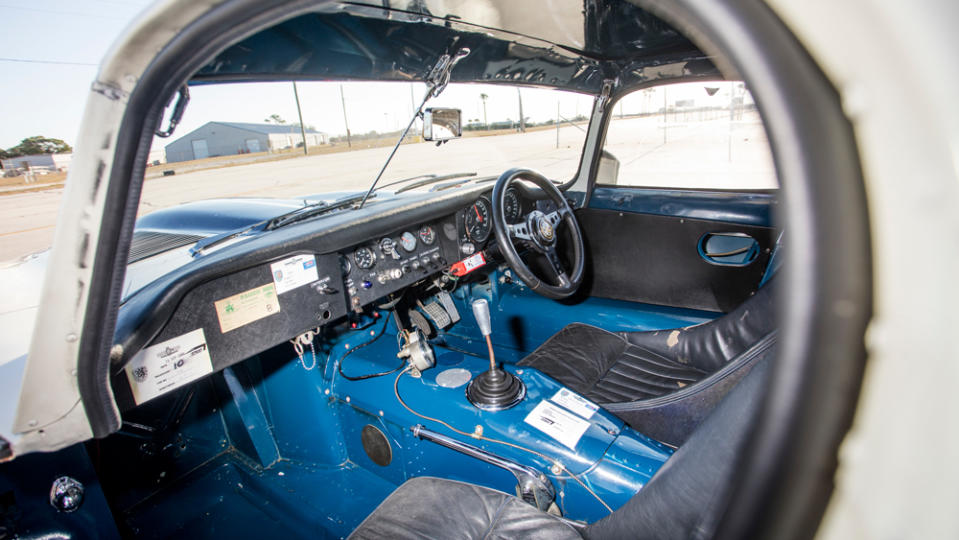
{"points": [[50, 49], [39, 98]]}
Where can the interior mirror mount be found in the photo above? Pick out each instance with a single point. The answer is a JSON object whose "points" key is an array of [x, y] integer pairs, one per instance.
{"points": [[441, 124]]}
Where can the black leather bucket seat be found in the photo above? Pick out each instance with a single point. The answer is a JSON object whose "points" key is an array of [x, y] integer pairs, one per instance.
{"points": [[662, 383]]}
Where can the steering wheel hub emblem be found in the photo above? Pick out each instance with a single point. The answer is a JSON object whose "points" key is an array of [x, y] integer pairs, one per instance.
{"points": [[545, 229]]}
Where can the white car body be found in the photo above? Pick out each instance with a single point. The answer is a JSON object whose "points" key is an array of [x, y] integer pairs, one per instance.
{"points": [[893, 64]]}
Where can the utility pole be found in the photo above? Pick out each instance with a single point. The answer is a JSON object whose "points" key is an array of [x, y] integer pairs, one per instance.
{"points": [[522, 121], [483, 98], [557, 123], [665, 107], [412, 103], [349, 142], [729, 136], [299, 113]]}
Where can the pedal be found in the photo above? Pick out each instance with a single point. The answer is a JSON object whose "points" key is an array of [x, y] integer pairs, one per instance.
{"points": [[439, 315], [442, 310], [447, 301]]}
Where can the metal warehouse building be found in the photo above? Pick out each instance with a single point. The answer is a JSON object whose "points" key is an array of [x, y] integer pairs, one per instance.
{"points": [[50, 162], [229, 138]]}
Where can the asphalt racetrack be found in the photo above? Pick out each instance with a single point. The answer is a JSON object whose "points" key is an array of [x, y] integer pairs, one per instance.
{"points": [[718, 153]]}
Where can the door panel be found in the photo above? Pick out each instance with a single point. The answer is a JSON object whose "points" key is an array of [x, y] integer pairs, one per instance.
{"points": [[657, 259]]}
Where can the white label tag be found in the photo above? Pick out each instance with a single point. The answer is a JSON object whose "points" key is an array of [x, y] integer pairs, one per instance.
{"points": [[474, 262], [575, 402], [291, 273], [162, 367], [556, 422]]}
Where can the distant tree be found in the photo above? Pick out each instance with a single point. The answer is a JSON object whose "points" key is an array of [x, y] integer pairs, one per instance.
{"points": [[275, 119], [38, 145]]}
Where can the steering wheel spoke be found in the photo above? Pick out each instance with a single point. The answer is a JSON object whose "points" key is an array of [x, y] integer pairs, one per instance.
{"points": [[556, 265], [555, 217], [519, 231]]}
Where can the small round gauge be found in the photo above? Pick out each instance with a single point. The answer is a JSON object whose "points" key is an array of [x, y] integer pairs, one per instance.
{"points": [[388, 247], [364, 258], [511, 206], [479, 220], [427, 235], [408, 241], [345, 266]]}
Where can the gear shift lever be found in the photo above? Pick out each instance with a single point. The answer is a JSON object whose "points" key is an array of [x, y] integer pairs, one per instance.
{"points": [[495, 389], [481, 313]]}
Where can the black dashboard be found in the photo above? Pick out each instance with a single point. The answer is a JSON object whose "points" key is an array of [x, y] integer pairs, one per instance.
{"points": [[233, 313]]}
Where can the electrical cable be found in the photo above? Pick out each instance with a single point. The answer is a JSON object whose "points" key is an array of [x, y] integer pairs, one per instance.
{"points": [[58, 12], [339, 366], [556, 463], [56, 62]]}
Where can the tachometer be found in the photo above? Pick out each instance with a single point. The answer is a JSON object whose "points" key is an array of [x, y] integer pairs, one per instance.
{"points": [[427, 235], [408, 241], [364, 258], [479, 220], [511, 206]]}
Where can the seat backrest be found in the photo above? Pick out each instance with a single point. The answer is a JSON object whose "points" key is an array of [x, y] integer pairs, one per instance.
{"points": [[686, 497], [711, 345]]}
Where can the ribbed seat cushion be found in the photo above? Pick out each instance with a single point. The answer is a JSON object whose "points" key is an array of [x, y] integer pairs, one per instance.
{"points": [[606, 368], [433, 508]]}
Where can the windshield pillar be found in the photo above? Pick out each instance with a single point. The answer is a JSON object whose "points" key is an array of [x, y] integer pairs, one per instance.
{"points": [[582, 185]]}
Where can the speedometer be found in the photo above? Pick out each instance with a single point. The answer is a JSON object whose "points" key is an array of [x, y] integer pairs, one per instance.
{"points": [[479, 220], [511, 207]]}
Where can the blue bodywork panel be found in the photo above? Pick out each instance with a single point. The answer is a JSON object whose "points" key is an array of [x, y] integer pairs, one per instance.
{"points": [[522, 320], [747, 208], [274, 443], [635, 459], [25, 510]]}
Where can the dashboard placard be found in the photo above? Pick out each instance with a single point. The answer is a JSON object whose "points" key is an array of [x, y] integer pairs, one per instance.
{"points": [[246, 307], [168, 365], [294, 272]]}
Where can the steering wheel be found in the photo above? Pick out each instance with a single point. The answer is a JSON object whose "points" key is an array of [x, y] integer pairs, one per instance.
{"points": [[539, 233]]}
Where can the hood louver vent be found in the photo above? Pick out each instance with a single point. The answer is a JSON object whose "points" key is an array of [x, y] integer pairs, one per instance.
{"points": [[148, 244]]}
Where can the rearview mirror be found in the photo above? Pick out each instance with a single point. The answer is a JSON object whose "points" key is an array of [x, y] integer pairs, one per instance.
{"points": [[442, 124], [608, 171]]}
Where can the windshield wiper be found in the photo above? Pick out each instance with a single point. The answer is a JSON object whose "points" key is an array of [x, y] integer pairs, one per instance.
{"points": [[312, 210], [305, 212], [210, 241], [403, 181], [433, 180]]}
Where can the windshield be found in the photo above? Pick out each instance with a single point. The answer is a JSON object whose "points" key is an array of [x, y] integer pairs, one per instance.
{"points": [[245, 140]]}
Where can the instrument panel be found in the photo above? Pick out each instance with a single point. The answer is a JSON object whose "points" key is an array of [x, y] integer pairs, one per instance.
{"points": [[381, 267]]}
